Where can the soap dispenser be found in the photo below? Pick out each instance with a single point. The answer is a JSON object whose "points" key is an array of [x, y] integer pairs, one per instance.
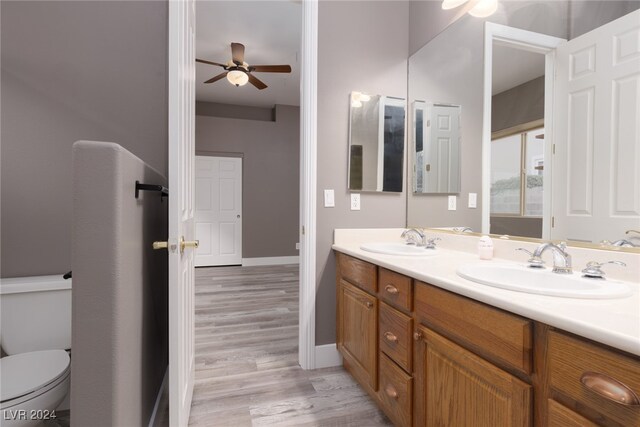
{"points": [[485, 248]]}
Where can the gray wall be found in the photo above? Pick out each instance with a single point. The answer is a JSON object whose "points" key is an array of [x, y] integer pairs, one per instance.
{"points": [[363, 46], [521, 104], [271, 176], [517, 226], [120, 294], [70, 71], [216, 109], [588, 15]]}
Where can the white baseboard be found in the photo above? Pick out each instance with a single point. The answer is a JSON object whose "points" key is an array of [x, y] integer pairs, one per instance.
{"points": [[274, 260], [327, 356], [161, 391]]}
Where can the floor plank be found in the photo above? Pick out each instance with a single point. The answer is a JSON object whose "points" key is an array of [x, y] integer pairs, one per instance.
{"points": [[247, 371]]}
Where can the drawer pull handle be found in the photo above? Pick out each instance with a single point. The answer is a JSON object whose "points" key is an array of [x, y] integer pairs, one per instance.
{"points": [[417, 336], [391, 289], [391, 392], [609, 388], [390, 337], [369, 304]]}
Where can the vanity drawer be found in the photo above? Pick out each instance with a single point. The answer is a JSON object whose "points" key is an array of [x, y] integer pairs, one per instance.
{"points": [[560, 416], [395, 335], [584, 372], [504, 338], [358, 272], [395, 392], [395, 289]]}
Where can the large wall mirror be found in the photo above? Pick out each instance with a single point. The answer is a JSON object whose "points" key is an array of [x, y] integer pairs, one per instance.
{"points": [[436, 147], [376, 143], [544, 158]]}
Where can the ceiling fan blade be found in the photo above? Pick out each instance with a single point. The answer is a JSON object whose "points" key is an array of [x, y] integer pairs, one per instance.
{"points": [[270, 68], [256, 82], [210, 63], [216, 78], [237, 52]]}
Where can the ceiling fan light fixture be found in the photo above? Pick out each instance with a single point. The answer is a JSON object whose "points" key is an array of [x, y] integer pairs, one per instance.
{"points": [[237, 77], [484, 8], [452, 4]]}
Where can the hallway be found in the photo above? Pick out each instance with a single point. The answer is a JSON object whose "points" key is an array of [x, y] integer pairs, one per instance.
{"points": [[247, 371]]}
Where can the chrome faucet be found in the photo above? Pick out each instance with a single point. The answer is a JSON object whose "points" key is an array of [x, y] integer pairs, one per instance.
{"points": [[463, 230], [561, 259], [414, 236], [622, 243]]}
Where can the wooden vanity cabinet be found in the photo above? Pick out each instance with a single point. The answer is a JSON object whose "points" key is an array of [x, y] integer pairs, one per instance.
{"points": [[430, 357], [454, 387], [357, 319]]}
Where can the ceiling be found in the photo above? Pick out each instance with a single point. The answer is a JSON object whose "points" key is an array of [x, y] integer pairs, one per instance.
{"points": [[271, 33], [512, 67]]}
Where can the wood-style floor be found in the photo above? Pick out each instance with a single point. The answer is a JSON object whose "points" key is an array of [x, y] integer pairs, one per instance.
{"points": [[247, 371]]}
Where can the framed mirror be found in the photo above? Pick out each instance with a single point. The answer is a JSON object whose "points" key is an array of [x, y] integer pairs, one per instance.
{"points": [[376, 143], [436, 144]]}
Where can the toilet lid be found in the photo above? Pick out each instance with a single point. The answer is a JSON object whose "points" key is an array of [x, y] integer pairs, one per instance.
{"points": [[23, 373]]}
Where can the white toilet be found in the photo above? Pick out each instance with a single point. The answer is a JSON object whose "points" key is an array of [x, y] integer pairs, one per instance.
{"points": [[35, 325]]}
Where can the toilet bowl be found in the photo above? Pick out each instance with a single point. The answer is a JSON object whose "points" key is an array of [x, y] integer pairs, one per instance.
{"points": [[32, 385], [35, 313]]}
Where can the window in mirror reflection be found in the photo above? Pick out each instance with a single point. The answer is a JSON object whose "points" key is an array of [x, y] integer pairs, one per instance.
{"points": [[517, 165]]}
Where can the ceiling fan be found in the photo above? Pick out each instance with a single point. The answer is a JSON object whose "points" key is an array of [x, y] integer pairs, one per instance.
{"points": [[239, 72]]}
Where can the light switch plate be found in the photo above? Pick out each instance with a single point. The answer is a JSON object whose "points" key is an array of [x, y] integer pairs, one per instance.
{"points": [[452, 203], [298, 246], [473, 200], [355, 201], [329, 199]]}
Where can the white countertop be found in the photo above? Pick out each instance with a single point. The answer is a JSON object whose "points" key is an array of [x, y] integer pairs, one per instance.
{"points": [[614, 322]]}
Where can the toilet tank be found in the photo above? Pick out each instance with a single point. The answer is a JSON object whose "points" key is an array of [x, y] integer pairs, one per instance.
{"points": [[35, 314]]}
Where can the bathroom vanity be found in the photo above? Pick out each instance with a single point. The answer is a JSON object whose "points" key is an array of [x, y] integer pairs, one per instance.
{"points": [[431, 356]]}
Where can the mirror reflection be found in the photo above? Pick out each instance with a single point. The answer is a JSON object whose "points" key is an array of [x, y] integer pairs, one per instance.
{"points": [[559, 165], [436, 141], [376, 143]]}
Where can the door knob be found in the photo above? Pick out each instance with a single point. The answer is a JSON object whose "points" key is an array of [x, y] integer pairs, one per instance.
{"points": [[188, 244]]}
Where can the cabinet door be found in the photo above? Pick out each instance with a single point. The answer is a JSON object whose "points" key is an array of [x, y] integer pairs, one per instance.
{"points": [[358, 332], [454, 387]]}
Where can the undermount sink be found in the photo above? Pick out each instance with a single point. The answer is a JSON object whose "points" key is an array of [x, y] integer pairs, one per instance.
{"points": [[543, 282], [397, 249]]}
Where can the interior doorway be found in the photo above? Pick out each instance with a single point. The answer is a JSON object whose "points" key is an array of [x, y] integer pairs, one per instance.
{"points": [[218, 210]]}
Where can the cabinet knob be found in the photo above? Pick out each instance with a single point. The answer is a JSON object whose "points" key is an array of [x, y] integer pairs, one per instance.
{"points": [[390, 337], [391, 391], [610, 388], [391, 289], [369, 304], [417, 336]]}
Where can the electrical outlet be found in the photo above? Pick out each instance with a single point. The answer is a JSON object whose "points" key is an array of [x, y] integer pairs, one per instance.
{"points": [[473, 200], [452, 203], [355, 201], [298, 246], [329, 199]]}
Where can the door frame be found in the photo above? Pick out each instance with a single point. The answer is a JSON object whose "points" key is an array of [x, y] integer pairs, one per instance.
{"points": [[308, 182], [532, 42]]}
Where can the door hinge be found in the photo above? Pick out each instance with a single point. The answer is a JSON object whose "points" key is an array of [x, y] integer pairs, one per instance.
{"points": [[553, 221], [428, 123], [303, 230], [553, 148]]}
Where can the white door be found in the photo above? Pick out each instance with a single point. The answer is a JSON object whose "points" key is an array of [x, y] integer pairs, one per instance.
{"points": [[444, 125], [596, 183], [218, 210], [181, 223]]}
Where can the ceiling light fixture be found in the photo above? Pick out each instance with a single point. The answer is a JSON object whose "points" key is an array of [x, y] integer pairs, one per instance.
{"points": [[482, 8], [452, 4], [237, 77]]}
